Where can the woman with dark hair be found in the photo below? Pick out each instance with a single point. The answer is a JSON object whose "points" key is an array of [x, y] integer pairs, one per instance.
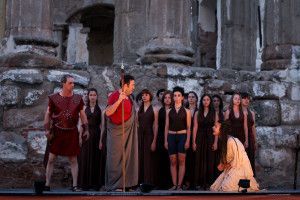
{"points": [[177, 137], [251, 129], [91, 160], [218, 106], [234, 163], [205, 144], [147, 134], [164, 176], [238, 119], [190, 154]]}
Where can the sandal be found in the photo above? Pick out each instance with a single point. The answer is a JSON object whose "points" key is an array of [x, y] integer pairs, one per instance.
{"points": [[173, 188], [179, 188], [76, 189]]}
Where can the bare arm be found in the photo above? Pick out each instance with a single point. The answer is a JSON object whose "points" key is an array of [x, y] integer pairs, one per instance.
{"points": [[155, 130], [166, 129], [188, 128], [246, 130], [47, 122], [111, 109], [102, 129], [195, 130], [215, 145], [226, 114], [84, 121]]}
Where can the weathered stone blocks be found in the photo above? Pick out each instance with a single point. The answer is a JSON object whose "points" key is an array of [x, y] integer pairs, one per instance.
{"points": [[10, 95]]}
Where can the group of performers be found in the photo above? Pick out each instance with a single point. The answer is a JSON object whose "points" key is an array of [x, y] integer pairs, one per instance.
{"points": [[169, 142]]}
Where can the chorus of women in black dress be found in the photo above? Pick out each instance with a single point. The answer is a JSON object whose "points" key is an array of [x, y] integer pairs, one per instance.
{"points": [[177, 147]]}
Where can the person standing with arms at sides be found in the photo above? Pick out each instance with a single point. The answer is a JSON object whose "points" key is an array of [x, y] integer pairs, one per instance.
{"points": [[115, 140], [177, 137], [164, 176], [190, 154], [91, 169], [234, 162], [251, 129], [238, 119], [205, 144], [147, 132], [61, 119], [218, 106]]}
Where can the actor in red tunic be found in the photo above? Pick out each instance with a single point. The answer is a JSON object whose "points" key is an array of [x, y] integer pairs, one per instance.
{"points": [[61, 121]]}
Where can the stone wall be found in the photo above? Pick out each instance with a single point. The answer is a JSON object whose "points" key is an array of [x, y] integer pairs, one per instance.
{"points": [[24, 100]]}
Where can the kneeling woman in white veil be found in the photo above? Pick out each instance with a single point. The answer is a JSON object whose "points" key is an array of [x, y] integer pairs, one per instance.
{"points": [[234, 163]]}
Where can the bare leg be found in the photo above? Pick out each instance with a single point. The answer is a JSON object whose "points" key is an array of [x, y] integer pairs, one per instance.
{"points": [[173, 168], [74, 169], [49, 168], [181, 161]]}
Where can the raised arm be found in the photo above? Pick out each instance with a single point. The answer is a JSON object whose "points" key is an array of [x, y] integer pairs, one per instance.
{"points": [[111, 109]]}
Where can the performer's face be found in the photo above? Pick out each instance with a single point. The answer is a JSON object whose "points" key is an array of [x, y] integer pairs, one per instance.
{"points": [[160, 95], [245, 102], [146, 97], [206, 101], [216, 102], [178, 98], [69, 85], [216, 128], [236, 100], [93, 96], [129, 88], [192, 98], [167, 99]]}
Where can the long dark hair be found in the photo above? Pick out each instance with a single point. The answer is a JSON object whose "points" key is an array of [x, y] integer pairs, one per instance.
{"points": [[163, 98], [221, 106], [88, 93], [211, 112], [194, 93], [240, 106], [225, 130]]}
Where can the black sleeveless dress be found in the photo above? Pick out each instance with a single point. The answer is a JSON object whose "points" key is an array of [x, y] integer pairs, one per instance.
{"points": [[147, 158], [206, 160], [91, 162], [164, 180], [237, 125]]}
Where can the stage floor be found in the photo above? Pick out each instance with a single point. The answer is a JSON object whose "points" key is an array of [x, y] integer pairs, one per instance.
{"points": [[56, 194]]}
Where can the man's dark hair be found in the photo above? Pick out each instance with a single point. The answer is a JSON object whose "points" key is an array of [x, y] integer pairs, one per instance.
{"points": [[127, 79], [159, 91], [65, 77], [245, 95], [178, 89]]}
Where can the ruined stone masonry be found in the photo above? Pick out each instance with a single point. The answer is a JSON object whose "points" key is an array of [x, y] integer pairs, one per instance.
{"points": [[209, 46]]}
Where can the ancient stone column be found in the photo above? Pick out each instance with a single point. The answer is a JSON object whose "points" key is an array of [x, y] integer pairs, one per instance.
{"points": [[2, 18], [77, 51], [129, 29], [168, 27], [281, 38], [58, 37], [29, 22], [237, 34]]}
